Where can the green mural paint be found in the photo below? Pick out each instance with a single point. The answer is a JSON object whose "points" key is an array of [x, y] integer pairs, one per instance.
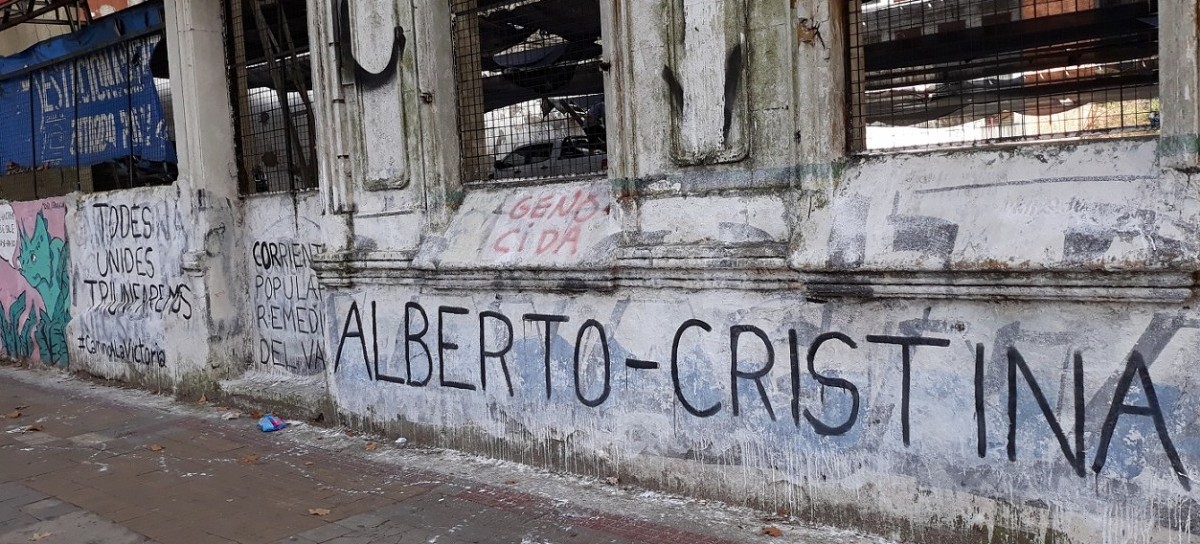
{"points": [[44, 264], [34, 312]]}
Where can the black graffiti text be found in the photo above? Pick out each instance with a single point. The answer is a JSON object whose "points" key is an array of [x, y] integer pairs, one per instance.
{"points": [[125, 350], [276, 255], [116, 297], [135, 261], [120, 221], [288, 304], [275, 352], [429, 337]]}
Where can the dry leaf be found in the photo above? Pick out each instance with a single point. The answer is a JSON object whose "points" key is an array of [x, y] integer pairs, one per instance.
{"points": [[250, 459], [371, 446], [203, 399], [350, 432], [156, 447], [38, 536], [612, 480], [510, 482], [256, 414], [319, 511], [13, 414], [309, 463], [772, 530], [783, 511]]}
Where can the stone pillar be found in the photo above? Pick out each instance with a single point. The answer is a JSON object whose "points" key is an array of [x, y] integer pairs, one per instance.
{"points": [[207, 189]]}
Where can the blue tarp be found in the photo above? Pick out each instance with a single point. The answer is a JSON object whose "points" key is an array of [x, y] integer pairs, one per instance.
{"points": [[85, 109], [103, 32]]}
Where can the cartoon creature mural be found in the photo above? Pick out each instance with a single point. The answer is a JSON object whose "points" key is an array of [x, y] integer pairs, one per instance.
{"points": [[35, 301]]}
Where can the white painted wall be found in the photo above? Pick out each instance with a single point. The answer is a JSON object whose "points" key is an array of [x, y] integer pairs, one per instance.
{"points": [[135, 315], [1047, 250], [866, 476], [285, 303]]}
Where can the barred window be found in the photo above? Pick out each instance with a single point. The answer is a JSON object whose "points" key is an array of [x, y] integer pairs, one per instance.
{"points": [[927, 73], [88, 110], [266, 46], [530, 88]]}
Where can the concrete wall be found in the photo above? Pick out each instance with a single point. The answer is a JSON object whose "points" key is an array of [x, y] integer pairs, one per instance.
{"points": [[987, 345], [1082, 207], [132, 296], [1035, 421], [1028, 405], [282, 235]]}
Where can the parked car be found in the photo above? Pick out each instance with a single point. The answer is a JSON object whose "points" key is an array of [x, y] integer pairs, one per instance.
{"points": [[570, 156]]}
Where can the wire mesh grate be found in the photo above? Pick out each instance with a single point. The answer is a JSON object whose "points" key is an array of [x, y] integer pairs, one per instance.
{"points": [[271, 92], [93, 121], [954, 72], [530, 88]]}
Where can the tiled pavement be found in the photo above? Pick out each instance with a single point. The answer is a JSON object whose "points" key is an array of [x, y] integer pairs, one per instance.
{"points": [[117, 466]]}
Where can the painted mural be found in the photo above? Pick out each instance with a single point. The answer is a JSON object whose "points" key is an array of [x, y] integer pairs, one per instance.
{"points": [[35, 290]]}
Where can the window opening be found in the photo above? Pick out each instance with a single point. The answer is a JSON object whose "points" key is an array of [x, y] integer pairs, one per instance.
{"points": [[529, 87], [89, 110], [929, 73], [271, 93]]}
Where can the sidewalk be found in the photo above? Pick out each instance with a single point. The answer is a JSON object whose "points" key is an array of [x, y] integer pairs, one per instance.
{"points": [[87, 463]]}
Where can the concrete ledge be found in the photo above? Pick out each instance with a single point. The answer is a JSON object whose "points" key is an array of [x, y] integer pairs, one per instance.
{"points": [[290, 396], [1172, 286]]}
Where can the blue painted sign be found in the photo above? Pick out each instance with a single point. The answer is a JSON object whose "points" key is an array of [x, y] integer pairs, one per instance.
{"points": [[98, 107]]}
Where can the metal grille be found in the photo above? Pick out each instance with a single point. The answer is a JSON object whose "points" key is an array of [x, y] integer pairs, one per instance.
{"points": [[94, 121], [271, 85], [530, 88], [928, 73]]}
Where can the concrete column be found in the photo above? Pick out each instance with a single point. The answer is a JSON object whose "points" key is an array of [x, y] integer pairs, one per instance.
{"points": [[203, 119], [1179, 83], [207, 186]]}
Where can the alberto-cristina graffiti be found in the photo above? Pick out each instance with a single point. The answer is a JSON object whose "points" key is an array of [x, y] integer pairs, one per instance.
{"points": [[35, 294]]}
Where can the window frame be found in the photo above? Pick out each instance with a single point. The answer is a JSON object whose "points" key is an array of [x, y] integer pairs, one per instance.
{"points": [[485, 175], [854, 112]]}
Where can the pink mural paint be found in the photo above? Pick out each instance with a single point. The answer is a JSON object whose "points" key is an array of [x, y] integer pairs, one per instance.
{"points": [[35, 287], [545, 222]]}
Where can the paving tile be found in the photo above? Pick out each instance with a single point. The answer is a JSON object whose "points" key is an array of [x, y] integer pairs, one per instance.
{"points": [[92, 469], [169, 530], [248, 527], [354, 539], [24, 465], [297, 540], [325, 532], [18, 493], [78, 526], [46, 509], [18, 522], [216, 444], [102, 502]]}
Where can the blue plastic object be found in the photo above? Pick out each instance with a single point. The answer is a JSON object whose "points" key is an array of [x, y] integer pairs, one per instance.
{"points": [[270, 423]]}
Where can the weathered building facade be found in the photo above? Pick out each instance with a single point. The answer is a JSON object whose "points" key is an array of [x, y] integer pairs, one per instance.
{"points": [[750, 301]]}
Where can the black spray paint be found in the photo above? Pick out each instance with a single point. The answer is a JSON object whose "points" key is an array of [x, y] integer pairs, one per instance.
{"points": [[498, 347]]}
